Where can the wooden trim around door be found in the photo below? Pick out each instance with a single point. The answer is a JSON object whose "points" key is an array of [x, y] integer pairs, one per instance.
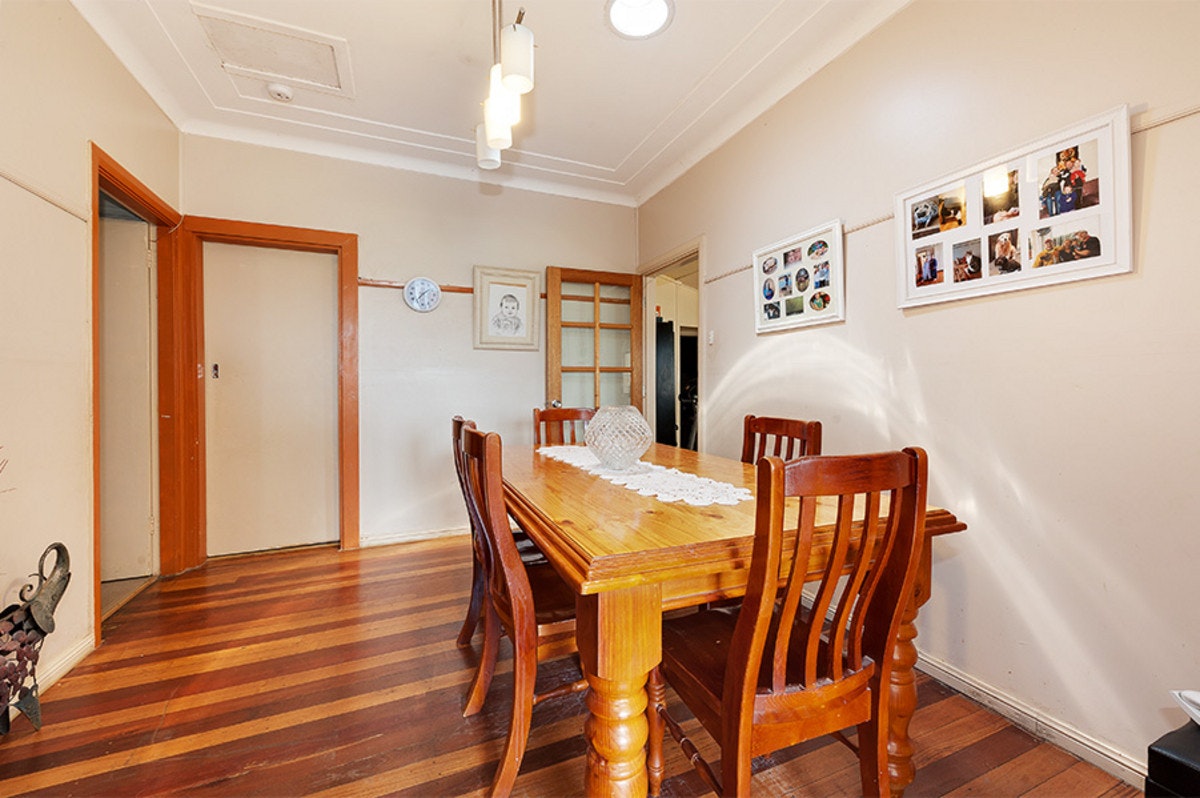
{"points": [[116, 181], [194, 232]]}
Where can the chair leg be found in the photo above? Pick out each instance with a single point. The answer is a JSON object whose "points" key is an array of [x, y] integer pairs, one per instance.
{"points": [[487, 661], [472, 620], [873, 760], [524, 678], [656, 691], [735, 766]]}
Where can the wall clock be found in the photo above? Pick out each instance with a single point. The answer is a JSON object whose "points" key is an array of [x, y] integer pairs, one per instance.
{"points": [[422, 294]]}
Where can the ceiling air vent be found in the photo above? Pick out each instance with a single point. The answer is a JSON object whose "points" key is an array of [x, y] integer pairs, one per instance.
{"points": [[258, 48]]}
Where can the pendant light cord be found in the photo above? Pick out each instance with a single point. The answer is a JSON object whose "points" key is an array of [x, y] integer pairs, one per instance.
{"points": [[496, 11]]}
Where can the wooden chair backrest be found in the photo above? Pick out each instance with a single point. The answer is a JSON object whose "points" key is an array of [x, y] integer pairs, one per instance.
{"points": [[508, 584], [785, 438], [560, 425], [785, 648]]}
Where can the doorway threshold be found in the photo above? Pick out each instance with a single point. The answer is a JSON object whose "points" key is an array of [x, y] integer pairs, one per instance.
{"points": [[116, 593]]}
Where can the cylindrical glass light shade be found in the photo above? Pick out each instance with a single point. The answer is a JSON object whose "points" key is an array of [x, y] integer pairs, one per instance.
{"points": [[499, 134], [516, 56], [507, 100], [486, 157]]}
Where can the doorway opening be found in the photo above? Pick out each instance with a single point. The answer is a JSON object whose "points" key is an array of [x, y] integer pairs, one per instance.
{"points": [[675, 375], [126, 412]]}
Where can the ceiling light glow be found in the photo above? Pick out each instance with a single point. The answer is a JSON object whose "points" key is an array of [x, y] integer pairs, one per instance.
{"points": [[639, 19]]}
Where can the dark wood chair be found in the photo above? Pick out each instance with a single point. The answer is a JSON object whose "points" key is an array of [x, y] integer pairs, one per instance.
{"points": [[780, 670], [560, 425], [529, 603], [528, 549], [785, 438]]}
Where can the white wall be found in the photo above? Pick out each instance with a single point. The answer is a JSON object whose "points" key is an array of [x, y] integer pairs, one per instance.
{"points": [[61, 87], [1060, 421], [416, 371]]}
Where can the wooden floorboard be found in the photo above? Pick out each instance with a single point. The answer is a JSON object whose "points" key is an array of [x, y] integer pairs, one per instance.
{"points": [[318, 672]]}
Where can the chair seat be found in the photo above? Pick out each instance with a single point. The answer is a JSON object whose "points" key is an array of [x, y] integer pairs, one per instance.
{"points": [[695, 648]]}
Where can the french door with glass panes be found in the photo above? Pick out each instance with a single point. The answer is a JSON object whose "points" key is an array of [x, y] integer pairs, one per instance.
{"points": [[593, 338]]}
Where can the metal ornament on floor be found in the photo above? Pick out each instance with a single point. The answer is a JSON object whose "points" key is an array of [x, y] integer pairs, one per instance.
{"points": [[23, 627]]}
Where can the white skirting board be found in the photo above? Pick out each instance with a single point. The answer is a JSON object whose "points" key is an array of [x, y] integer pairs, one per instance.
{"points": [[1039, 725]]}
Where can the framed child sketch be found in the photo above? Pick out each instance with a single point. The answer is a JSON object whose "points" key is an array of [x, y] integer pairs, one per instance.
{"points": [[1053, 211], [506, 309], [800, 281]]}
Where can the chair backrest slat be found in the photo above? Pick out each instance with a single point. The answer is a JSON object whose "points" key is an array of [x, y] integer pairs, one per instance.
{"points": [[560, 425], [861, 519], [785, 438]]}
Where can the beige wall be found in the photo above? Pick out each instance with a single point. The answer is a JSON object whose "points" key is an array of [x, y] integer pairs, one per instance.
{"points": [[1060, 421], [61, 88], [417, 370]]}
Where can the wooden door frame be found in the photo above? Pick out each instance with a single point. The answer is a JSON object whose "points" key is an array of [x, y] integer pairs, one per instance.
{"points": [[185, 309], [179, 273], [117, 182]]}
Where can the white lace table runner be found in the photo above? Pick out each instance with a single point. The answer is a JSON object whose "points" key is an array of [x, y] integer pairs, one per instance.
{"points": [[648, 479]]}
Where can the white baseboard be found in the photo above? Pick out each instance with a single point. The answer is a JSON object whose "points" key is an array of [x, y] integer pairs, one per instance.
{"points": [[1052, 730], [412, 537]]}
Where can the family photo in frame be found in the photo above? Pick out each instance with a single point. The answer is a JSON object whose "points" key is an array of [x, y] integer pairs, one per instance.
{"points": [[1054, 211], [800, 281], [506, 309]]}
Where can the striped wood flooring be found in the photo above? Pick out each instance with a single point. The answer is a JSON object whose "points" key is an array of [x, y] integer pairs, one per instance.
{"points": [[314, 672]]}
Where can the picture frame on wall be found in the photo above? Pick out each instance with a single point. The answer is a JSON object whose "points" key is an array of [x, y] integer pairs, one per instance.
{"points": [[506, 309], [800, 281], [1056, 210]]}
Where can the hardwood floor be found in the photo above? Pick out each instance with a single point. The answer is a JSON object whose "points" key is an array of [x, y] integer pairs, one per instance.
{"points": [[314, 672]]}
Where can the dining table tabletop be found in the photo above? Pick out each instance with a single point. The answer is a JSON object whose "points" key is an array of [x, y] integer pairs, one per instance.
{"points": [[631, 557]]}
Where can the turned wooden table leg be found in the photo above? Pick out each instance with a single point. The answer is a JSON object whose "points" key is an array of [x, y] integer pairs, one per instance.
{"points": [[902, 698], [903, 703], [620, 640]]}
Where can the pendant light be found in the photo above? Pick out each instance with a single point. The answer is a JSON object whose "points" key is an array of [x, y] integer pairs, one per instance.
{"points": [[516, 56], [485, 156], [511, 75]]}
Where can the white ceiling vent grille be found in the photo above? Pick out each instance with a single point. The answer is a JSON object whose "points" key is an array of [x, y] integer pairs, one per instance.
{"points": [[258, 48]]}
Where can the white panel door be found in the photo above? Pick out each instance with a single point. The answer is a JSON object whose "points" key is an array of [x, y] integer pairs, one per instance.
{"points": [[126, 405], [270, 398]]}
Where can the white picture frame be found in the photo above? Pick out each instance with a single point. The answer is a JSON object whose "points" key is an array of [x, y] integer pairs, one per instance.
{"points": [[800, 281], [1053, 211], [506, 309]]}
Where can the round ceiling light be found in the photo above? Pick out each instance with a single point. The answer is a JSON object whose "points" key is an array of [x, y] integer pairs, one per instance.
{"points": [[639, 19]]}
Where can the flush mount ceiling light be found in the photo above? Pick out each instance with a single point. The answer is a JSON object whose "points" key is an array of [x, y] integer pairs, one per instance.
{"points": [[639, 19]]}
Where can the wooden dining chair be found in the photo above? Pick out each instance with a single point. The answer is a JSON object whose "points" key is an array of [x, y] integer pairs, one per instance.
{"points": [[529, 603], [528, 549], [560, 425], [785, 438], [807, 654]]}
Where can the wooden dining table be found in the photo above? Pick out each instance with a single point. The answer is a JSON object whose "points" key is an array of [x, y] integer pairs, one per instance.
{"points": [[630, 558]]}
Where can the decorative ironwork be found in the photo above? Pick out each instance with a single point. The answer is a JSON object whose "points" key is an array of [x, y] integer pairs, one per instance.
{"points": [[23, 627]]}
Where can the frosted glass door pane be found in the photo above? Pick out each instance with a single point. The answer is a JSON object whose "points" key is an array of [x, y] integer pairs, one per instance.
{"points": [[614, 314], [614, 348], [577, 347], [573, 310], [614, 389], [578, 390]]}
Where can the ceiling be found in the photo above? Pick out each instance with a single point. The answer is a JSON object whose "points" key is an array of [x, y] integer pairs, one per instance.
{"points": [[401, 82]]}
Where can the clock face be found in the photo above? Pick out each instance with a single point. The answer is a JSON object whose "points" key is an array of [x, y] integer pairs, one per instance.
{"points": [[422, 294]]}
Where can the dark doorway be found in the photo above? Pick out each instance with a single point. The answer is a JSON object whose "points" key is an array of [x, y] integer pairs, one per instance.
{"points": [[664, 383], [689, 398]]}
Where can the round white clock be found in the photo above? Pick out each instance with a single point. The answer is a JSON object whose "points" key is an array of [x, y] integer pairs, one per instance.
{"points": [[422, 294]]}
